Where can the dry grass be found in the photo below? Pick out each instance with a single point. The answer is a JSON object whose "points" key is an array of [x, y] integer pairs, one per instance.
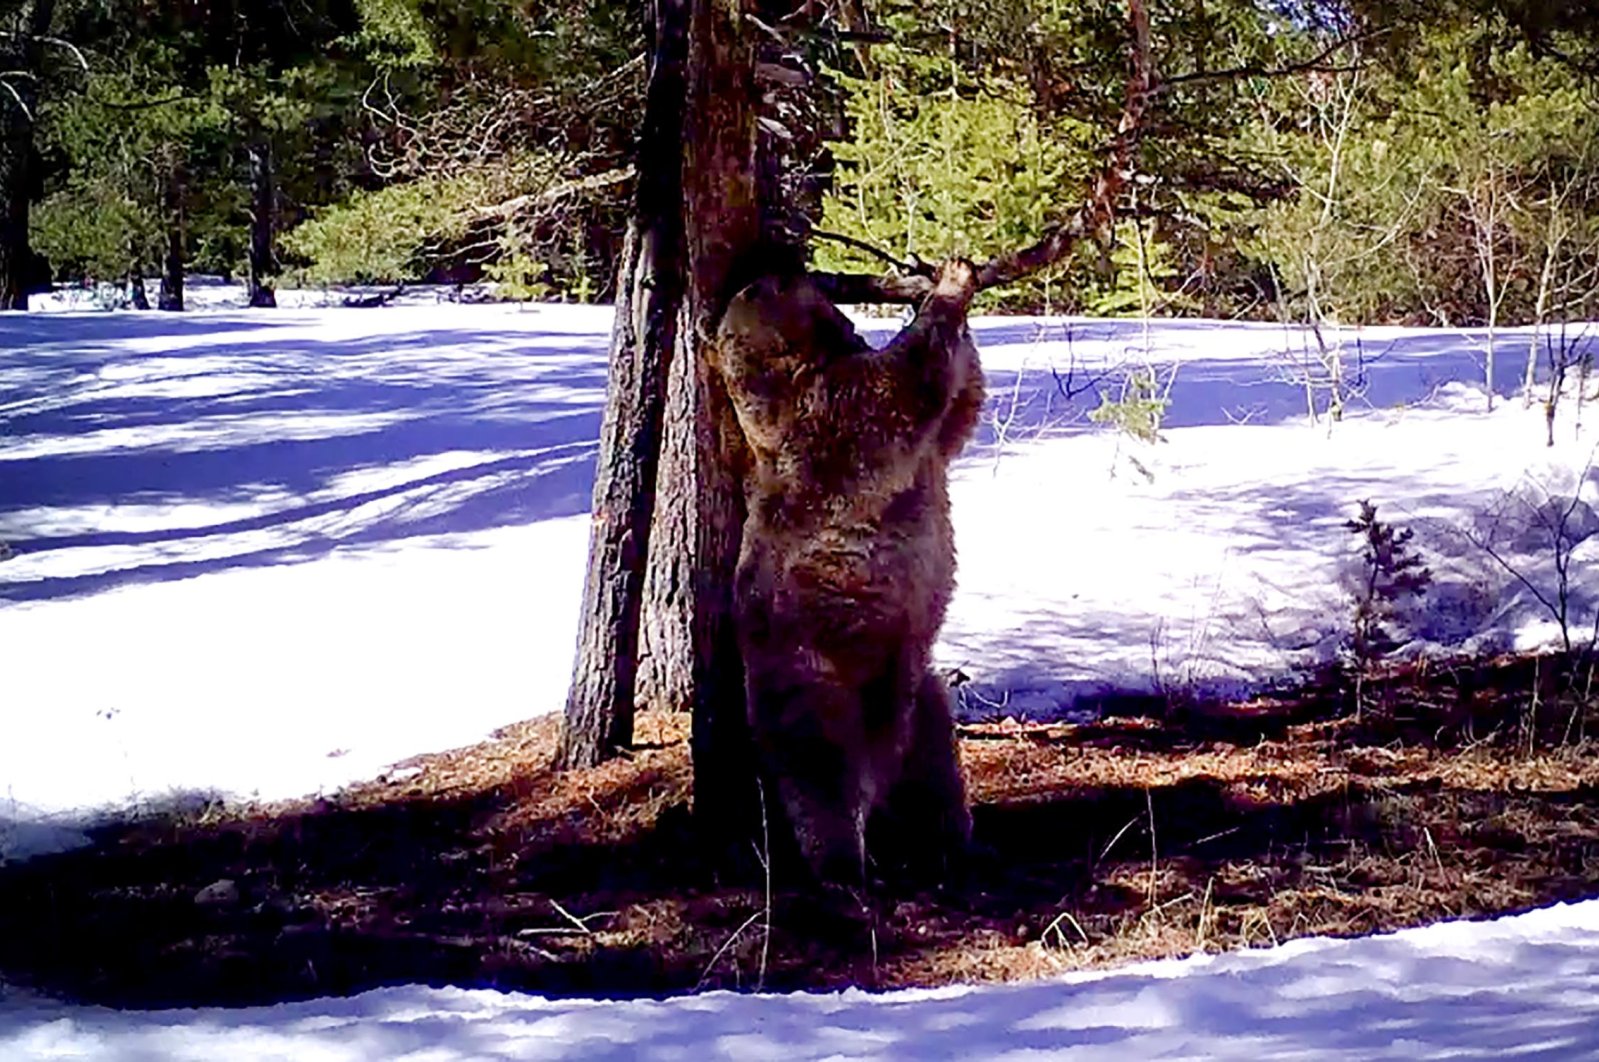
{"points": [[1214, 827]]}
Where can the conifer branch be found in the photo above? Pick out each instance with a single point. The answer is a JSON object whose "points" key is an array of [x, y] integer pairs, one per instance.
{"points": [[1095, 217]]}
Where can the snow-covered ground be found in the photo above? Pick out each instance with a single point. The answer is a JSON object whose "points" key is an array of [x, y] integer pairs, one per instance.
{"points": [[271, 552], [267, 553], [1522, 988]]}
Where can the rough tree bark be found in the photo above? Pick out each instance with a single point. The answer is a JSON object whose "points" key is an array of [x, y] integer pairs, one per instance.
{"points": [[263, 224], [599, 707], [16, 146], [683, 514], [666, 629], [170, 297], [722, 233], [791, 170], [138, 295], [20, 53]]}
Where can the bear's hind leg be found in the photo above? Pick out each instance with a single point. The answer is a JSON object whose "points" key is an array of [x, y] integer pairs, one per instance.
{"points": [[929, 821], [815, 753], [830, 829]]}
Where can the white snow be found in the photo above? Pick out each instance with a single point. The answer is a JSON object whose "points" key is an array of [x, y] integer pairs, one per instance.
{"points": [[1521, 987], [266, 554], [269, 553]]}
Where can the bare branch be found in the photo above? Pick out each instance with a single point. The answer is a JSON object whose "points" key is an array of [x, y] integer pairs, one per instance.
{"points": [[862, 288], [1099, 213], [1317, 63], [143, 105], [915, 266], [1059, 241], [565, 189], [69, 47], [473, 127], [15, 95], [55, 42]]}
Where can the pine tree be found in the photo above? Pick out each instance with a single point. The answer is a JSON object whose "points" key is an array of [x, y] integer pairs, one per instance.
{"points": [[1390, 578]]}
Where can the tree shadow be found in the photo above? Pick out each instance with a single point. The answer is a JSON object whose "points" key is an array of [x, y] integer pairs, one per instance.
{"points": [[321, 900], [45, 334], [188, 445], [130, 464], [590, 884], [1068, 365], [1292, 573]]}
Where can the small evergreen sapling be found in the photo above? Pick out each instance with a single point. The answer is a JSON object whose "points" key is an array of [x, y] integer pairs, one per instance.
{"points": [[1390, 576], [1138, 410]]}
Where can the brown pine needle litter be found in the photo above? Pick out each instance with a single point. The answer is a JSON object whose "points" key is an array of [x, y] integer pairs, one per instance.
{"points": [[1202, 827]]}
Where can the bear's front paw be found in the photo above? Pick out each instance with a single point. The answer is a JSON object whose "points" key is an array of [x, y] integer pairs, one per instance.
{"points": [[956, 280]]}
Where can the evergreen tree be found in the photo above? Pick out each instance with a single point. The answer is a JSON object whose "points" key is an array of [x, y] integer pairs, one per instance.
{"points": [[29, 58], [501, 138], [198, 128]]}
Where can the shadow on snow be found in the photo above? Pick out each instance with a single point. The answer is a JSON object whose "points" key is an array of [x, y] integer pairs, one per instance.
{"points": [[1074, 363], [181, 445], [301, 445]]}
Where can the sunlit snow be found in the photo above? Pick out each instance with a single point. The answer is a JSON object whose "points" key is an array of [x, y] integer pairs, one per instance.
{"points": [[269, 553]]}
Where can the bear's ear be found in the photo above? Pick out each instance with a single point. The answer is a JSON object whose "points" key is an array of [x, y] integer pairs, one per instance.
{"points": [[833, 335], [784, 317], [751, 321]]}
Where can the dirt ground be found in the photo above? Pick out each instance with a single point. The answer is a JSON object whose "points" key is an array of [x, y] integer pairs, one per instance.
{"points": [[1455, 791]]}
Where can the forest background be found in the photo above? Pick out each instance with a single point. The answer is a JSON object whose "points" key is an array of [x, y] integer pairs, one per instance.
{"points": [[1422, 162]]}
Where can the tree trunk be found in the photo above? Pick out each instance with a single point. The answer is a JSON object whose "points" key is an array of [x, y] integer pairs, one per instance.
{"points": [[692, 526], [16, 145], [171, 295], [263, 225], [666, 638], [701, 126], [20, 55], [137, 295], [792, 168], [722, 231], [599, 706]]}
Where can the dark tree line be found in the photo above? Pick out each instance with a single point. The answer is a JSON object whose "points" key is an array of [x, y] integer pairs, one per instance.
{"points": [[24, 47], [143, 136]]}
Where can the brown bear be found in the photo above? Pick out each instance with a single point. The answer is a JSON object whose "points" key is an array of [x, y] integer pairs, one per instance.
{"points": [[848, 561]]}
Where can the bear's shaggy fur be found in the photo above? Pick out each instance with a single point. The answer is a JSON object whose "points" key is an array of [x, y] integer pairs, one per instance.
{"points": [[848, 561]]}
